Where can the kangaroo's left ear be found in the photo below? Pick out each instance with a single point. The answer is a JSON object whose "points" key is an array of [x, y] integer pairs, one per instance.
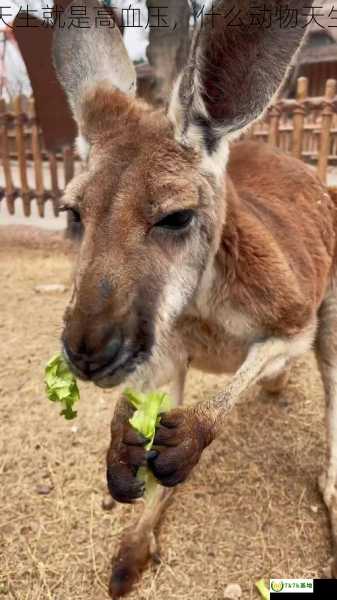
{"points": [[234, 69], [86, 59]]}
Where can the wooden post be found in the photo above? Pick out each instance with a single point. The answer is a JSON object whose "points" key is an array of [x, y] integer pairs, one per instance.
{"points": [[74, 229], [274, 122], [20, 146], [298, 117], [327, 120], [68, 161], [37, 158], [10, 192], [55, 190]]}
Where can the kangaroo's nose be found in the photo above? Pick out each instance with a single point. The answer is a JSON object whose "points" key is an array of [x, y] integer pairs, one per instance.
{"points": [[90, 361]]}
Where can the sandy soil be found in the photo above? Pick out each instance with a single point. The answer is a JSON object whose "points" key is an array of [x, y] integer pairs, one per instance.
{"points": [[250, 510]]}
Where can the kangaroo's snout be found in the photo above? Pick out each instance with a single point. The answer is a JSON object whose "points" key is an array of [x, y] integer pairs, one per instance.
{"points": [[92, 360]]}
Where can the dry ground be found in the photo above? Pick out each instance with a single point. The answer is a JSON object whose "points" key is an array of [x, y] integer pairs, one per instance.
{"points": [[250, 510]]}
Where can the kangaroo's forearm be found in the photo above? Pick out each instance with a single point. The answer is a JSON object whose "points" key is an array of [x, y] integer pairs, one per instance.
{"points": [[264, 359]]}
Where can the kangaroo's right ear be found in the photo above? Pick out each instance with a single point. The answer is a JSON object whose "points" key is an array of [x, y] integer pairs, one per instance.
{"points": [[235, 67], [85, 58]]}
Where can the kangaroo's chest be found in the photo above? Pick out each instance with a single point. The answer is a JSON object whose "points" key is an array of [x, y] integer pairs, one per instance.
{"points": [[216, 346]]}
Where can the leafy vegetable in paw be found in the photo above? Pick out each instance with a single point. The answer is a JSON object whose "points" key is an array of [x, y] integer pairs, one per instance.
{"points": [[146, 416], [144, 420], [61, 385], [262, 588]]}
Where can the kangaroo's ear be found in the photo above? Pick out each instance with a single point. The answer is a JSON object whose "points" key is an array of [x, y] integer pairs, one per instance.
{"points": [[87, 57], [234, 69]]}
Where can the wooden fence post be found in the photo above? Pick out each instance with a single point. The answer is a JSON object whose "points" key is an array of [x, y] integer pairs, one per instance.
{"points": [[55, 190], [74, 229], [10, 192], [298, 118], [68, 159], [274, 122], [20, 146], [37, 158], [327, 120]]}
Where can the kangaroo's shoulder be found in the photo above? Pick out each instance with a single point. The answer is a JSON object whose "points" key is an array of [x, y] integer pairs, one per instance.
{"points": [[251, 162]]}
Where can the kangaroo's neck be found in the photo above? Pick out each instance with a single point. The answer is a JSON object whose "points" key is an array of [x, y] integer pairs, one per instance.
{"points": [[220, 271]]}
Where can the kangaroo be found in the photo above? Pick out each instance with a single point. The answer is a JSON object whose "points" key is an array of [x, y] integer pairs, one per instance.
{"points": [[195, 252]]}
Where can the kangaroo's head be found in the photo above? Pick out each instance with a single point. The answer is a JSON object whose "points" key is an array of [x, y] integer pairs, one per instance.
{"points": [[152, 196]]}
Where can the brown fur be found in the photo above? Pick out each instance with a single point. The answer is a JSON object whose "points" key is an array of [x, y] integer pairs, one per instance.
{"points": [[274, 215], [266, 257], [131, 560]]}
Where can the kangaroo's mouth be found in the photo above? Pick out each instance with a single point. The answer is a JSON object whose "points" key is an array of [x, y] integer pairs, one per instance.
{"points": [[116, 374], [113, 374], [107, 354]]}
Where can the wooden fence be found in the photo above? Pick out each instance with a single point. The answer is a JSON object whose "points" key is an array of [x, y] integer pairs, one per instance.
{"points": [[305, 127], [29, 172]]}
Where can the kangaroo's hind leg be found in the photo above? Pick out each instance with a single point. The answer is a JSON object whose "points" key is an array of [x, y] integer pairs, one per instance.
{"points": [[326, 350], [273, 388]]}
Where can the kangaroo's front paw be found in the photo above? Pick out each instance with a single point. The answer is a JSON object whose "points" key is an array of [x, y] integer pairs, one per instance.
{"points": [[125, 455], [180, 439]]}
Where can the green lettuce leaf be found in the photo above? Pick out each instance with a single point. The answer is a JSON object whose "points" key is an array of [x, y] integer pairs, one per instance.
{"points": [[144, 420], [262, 588], [61, 385], [148, 406]]}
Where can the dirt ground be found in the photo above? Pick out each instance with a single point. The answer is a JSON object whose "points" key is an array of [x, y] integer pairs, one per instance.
{"points": [[250, 510]]}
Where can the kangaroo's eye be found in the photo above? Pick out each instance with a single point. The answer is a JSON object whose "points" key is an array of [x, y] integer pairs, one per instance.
{"points": [[177, 221]]}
